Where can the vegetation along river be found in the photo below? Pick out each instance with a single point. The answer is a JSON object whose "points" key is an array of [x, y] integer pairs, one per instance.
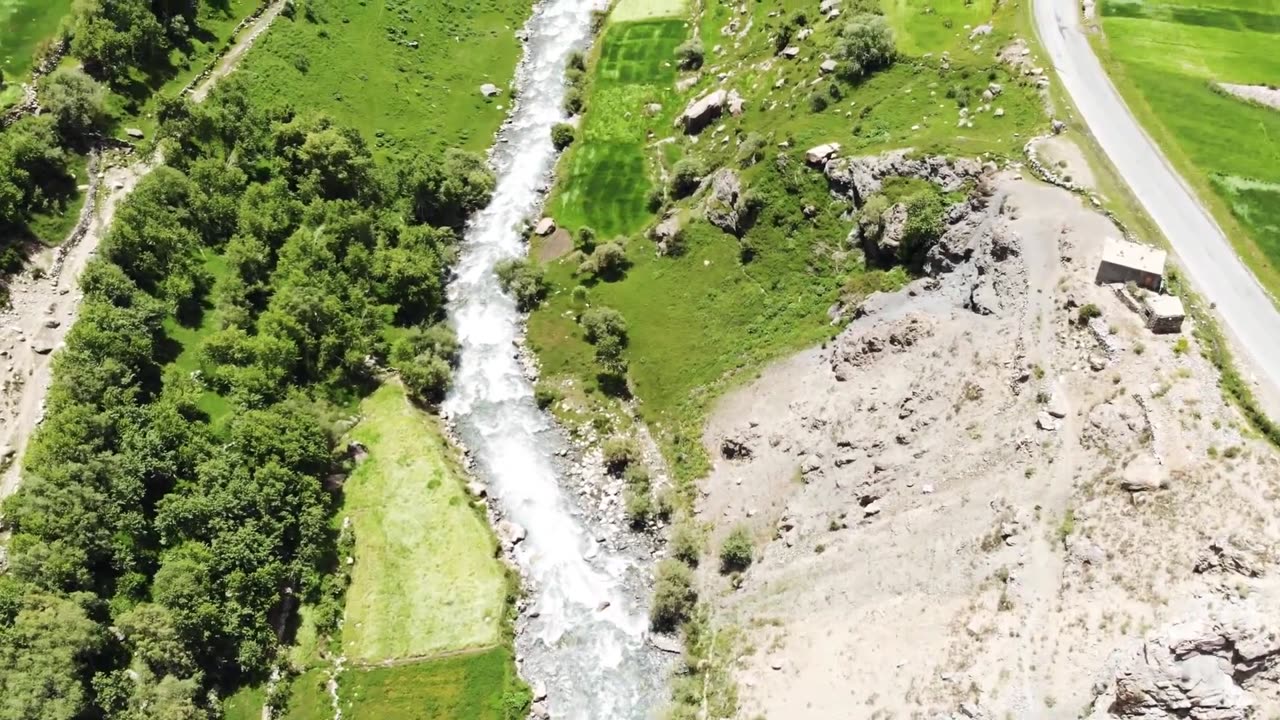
{"points": [[592, 657]]}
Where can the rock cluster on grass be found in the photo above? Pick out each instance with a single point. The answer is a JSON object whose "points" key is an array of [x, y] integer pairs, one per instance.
{"points": [[723, 206], [858, 178]]}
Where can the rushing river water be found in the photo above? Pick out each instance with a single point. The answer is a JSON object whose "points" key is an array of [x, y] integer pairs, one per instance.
{"points": [[593, 658]]}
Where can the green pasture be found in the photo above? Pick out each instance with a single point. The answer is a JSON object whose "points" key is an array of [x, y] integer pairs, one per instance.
{"points": [[24, 24], [355, 60], [426, 579], [474, 686], [606, 176], [1166, 58], [246, 704]]}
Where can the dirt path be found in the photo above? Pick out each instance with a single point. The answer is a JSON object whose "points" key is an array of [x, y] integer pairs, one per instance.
{"points": [[45, 298]]}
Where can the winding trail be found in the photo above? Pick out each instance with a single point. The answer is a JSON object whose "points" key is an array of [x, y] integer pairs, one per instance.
{"points": [[587, 639], [1218, 273], [43, 304]]}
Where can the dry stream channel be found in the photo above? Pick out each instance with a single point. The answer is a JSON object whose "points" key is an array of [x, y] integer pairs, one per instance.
{"points": [[585, 639]]}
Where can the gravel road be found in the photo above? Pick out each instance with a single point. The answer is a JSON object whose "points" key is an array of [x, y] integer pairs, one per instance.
{"points": [[1216, 271]]}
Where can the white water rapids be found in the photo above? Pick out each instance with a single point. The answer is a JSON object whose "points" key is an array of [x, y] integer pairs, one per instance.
{"points": [[595, 663]]}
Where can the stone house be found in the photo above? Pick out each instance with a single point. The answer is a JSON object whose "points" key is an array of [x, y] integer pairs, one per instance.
{"points": [[1125, 262]]}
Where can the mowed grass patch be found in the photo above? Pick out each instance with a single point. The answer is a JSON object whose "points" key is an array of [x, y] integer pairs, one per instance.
{"points": [[608, 174], [354, 60], [1166, 59], [245, 704], [632, 10], [472, 686], [309, 698], [426, 579], [24, 24]]}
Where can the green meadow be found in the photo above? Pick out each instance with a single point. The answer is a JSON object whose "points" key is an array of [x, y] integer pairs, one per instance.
{"points": [[406, 74], [24, 24], [608, 174], [1167, 57]]}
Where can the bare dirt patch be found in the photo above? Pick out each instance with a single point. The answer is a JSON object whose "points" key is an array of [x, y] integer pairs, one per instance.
{"points": [[940, 506], [1067, 161]]}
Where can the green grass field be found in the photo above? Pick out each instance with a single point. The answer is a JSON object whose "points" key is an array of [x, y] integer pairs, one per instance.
{"points": [[631, 10], [24, 24], [353, 60], [426, 579], [608, 174], [475, 686], [704, 321], [1166, 57]]}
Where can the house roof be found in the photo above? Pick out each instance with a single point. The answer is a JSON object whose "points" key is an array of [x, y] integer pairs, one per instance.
{"points": [[1134, 255], [1165, 306]]}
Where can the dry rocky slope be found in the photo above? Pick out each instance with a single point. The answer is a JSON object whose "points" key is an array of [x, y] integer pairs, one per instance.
{"points": [[969, 505]]}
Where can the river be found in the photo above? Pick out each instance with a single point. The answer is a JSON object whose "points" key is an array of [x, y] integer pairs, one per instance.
{"points": [[593, 659]]}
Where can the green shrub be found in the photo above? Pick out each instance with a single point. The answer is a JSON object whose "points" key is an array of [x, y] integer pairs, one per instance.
{"points": [[638, 506], [686, 543], [562, 135], [545, 395], [674, 596], [685, 177], [607, 261], [619, 454], [524, 280], [689, 54], [1086, 313], [585, 240], [737, 552], [573, 102], [865, 45], [817, 102]]}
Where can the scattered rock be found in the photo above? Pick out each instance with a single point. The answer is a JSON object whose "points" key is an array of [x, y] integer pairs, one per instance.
{"points": [[723, 205], [545, 227], [539, 690], [1045, 421], [135, 133], [490, 90], [510, 533], [1228, 554], [666, 643], [827, 67]]}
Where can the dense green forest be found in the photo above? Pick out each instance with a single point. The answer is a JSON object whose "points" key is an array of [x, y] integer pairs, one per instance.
{"points": [[158, 549]]}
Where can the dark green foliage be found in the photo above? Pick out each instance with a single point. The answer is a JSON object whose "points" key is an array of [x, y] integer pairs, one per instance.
{"points": [[737, 552], [137, 509], [689, 55], [865, 45], [1086, 313], [620, 454], [685, 177], [638, 495], [112, 36], [562, 135], [674, 596], [585, 240], [34, 170], [524, 280], [606, 262], [75, 102], [924, 226], [686, 543]]}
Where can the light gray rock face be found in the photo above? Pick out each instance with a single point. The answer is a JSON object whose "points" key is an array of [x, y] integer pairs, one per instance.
{"points": [[1202, 668], [723, 204], [861, 177]]}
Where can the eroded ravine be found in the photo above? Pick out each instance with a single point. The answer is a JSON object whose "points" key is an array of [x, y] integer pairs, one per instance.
{"points": [[585, 639]]}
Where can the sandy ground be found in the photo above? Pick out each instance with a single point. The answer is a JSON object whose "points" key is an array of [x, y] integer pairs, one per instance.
{"points": [[1064, 156], [44, 298], [927, 548]]}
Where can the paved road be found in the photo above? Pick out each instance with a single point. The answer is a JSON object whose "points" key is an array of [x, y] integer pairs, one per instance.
{"points": [[1216, 271]]}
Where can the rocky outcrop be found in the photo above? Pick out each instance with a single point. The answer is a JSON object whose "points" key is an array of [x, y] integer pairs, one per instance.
{"points": [[1203, 668], [723, 204], [850, 351], [1234, 555], [858, 178], [701, 111]]}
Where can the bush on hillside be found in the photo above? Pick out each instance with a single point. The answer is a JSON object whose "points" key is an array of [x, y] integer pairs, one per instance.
{"points": [[689, 54], [77, 104], [573, 101], [585, 240], [524, 280], [562, 135], [685, 177], [737, 552], [606, 262], [620, 453], [674, 596], [686, 543], [865, 45]]}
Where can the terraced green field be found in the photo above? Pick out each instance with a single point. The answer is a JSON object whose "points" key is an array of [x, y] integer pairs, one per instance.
{"points": [[608, 174], [1167, 57]]}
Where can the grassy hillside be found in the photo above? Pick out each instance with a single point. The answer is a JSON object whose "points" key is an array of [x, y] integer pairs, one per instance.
{"points": [[426, 579], [406, 74], [709, 317], [24, 24], [1166, 58]]}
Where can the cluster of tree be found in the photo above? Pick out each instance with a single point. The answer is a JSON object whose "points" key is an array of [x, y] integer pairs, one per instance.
{"points": [[35, 171], [156, 552], [114, 36]]}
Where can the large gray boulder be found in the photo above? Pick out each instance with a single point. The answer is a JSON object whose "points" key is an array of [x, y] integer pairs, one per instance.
{"points": [[701, 111], [723, 204]]}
